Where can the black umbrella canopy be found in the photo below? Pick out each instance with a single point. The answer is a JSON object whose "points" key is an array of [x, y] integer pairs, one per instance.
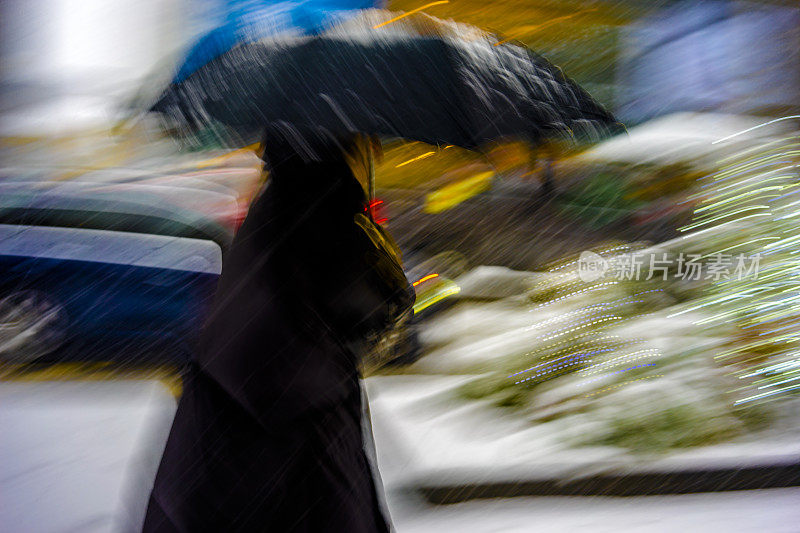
{"points": [[418, 78]]}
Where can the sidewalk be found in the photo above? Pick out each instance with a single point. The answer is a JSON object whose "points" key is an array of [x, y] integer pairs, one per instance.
{"points": [[80, 456]]}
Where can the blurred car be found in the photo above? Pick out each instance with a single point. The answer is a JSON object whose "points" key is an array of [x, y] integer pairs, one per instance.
{"points": [[125, 272], [85, 294], [111, 272], [129, 207]]}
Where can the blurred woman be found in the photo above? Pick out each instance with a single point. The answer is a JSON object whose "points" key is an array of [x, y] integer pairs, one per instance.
{"points": [[268, 434]]}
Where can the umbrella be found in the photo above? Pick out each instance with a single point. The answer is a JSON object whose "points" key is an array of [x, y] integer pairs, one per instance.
{"points": [[250, 20], [417, 78], [244, 21]]}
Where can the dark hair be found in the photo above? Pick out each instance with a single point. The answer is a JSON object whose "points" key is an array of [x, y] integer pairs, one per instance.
{"points": [[314, 173]]}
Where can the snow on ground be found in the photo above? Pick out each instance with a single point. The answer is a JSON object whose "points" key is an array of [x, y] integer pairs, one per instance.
{"points": [[425, 435], [774, 510], [494, 282], [81, 456], [473, 335], [677, 137]]}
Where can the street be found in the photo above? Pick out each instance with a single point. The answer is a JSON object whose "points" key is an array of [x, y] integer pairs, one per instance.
{"points": [[78, 456]]}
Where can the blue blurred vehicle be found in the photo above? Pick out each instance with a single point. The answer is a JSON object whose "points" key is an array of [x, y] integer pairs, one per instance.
{"points": [[124, 272], [112, 273]]}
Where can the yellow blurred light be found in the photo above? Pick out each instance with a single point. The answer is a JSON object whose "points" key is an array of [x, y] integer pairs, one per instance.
{"points": [[409, 13], [426, 278], [423, 156], [453, 194], [536, 27]]}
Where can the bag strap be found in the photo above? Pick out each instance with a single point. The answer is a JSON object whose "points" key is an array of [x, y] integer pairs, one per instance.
{"points": [[370, 179]]}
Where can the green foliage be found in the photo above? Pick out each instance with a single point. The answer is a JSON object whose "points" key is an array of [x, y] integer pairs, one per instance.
{"points": [[568, 343], [677, 426], [582, 363], [599, 200], [497, 388]]}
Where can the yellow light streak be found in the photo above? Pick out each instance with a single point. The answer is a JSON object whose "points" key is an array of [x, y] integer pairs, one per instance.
{"points": [[410, 13], [426, 278], [423, 156], [537, 27], [427, 302]]}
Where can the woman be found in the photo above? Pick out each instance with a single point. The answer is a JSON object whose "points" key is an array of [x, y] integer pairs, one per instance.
{"points": [[268, 435]]}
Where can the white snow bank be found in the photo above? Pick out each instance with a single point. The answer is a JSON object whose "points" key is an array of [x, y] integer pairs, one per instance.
{"points": [[80, 456], [494, 282], [424, 435], [679, 137]]}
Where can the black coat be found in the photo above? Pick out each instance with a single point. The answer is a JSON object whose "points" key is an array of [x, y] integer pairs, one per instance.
{"points": [[268, 433]]}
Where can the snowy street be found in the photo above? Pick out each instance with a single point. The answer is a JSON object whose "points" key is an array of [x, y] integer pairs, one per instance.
{"points": [[79, 457]]}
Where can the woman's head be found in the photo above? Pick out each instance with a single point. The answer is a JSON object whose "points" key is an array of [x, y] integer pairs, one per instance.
{"points": [[290, 154]]}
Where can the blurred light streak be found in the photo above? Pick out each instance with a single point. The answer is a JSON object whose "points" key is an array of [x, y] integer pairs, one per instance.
{"points": [[766, 394], [572, 361], [582, 291], [742, 244], [639, 354], [765, 306], [613, 373], [774, 368], [537, 27], [438, 296], [741, 196], [755, 128], [552, 362], [780, 382], [562, 317], [395, 19], [626, 299], [593, 339], [623, 385], [687, 228], [423, 156], [426, 278], [564, 331], [375, 212]]}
